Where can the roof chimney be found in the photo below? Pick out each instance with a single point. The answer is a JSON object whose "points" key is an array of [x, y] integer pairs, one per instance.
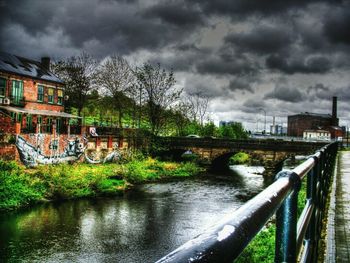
{"points": [[45, 63], [334, 112]]}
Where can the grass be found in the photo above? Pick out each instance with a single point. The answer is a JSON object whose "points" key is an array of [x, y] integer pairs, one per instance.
{"points": [[262, 247], [22, 187]]}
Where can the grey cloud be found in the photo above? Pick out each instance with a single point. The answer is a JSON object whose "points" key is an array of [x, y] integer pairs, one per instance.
{"points": [[285, 93], [241, 84], [312, 64], [337, 25], [262, 39], [179, 13], [239, 8], [254, 105], [319, 87], [222, 66]]}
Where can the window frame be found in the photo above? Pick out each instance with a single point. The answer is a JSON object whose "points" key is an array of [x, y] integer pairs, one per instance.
{"points": [[41, 94], [60, 98], [4, 87], [51, 96]]}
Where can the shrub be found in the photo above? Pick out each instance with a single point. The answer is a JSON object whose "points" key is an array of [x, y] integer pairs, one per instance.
{"points": [[240, 158]]}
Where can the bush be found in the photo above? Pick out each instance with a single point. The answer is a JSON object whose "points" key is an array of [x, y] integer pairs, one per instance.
{"points": [[16, 187], [240, 158]]}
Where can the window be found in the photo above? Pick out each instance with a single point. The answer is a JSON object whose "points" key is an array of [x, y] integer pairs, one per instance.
{"points": [[2, 87], [40, 93], [58, 125], [60, 97], [29, 123], [50, 95], [17, 92]]}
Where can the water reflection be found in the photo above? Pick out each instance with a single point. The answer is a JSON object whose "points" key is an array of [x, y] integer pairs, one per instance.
{"points": [[141, 226]]}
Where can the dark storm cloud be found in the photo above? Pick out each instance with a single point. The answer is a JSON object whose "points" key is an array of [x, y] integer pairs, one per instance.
{"points": [[262, 39], [240, 84], [100, 25], [321, 92], [337, 25], [178, 13], [254, 106], [285, 93], [226, 65], [312, 64], [239, 8]]}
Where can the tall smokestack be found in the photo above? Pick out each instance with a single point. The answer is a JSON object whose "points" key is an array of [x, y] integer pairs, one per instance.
{"points": [[334, 112]]}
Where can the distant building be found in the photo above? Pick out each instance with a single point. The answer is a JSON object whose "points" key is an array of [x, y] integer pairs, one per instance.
{"points": [[226, 123], [317, 135], [277, 129], [299, 123]]}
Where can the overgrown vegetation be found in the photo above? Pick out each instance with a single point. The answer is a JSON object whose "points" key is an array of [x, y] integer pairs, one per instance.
{"points": [[262, 247], [21, 187], [239, 158]]}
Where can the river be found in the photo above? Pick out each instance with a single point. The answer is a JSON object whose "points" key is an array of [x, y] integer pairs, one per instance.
{"points": [[146, 223]]}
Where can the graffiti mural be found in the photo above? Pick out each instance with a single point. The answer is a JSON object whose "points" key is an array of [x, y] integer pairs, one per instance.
{"points": [[32, 151], [31, 155]]}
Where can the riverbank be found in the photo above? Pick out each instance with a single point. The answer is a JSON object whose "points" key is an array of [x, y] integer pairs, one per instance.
{"points": [[24, 187]]}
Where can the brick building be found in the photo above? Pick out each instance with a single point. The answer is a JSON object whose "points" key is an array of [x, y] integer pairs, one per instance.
{"points": [[31, 96], [307, 121]]}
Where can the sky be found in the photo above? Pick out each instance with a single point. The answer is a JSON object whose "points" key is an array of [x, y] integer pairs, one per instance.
{"points": [[247, 56]]}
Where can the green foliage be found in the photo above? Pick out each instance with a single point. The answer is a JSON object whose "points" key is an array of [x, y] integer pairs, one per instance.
{"points": [[240, 158], [209, 129], [233, 130], [152, 169], [16, 187], [189, 157]]}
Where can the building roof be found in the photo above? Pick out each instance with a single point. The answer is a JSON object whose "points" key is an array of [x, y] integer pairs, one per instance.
{"points": [[39, 112], [26, 67], [320, 115]]}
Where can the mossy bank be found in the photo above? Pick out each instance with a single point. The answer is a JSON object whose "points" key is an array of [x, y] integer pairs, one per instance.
{"points": [[21, 187]]}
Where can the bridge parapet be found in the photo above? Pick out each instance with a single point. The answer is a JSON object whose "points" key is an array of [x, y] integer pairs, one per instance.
{"points": [[251, 144], [217, 152]]}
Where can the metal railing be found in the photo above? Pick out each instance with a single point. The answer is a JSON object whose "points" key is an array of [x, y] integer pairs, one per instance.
{"points": [[294, 237]]}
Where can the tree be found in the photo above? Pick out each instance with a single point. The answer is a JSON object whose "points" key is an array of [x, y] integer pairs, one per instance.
{"points": [[159, 93], [180, 118], [233, 130], [78, 73], [199, 106], [117, 79]]}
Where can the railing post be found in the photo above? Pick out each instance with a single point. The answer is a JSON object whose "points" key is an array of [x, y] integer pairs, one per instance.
{"points": [[286, 222], [310, 235]]}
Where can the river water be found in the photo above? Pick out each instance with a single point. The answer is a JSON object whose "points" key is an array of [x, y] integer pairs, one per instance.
{"points": [[142, 226]]}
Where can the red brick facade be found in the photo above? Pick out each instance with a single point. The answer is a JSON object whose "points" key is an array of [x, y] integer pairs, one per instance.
{"points": [[6, 124], [7, 151], [30, 92]]}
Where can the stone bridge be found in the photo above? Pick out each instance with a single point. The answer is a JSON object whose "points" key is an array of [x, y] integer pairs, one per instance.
{"points": [[270, 152]]}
